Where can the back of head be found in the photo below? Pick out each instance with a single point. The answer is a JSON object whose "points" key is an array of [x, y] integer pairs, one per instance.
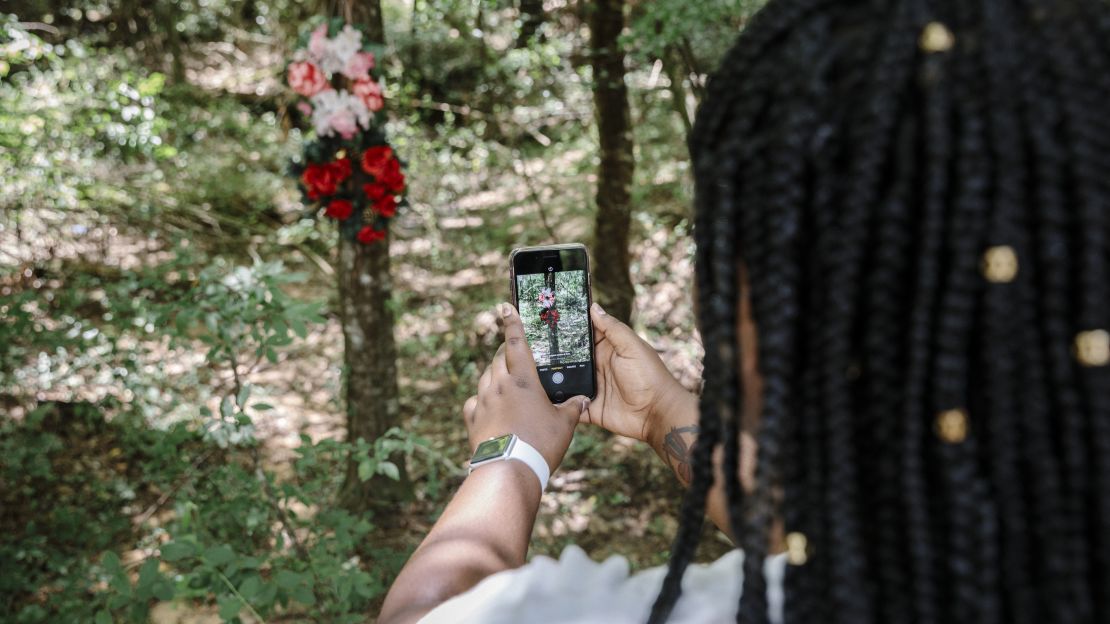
{"points": [[918, 194]]}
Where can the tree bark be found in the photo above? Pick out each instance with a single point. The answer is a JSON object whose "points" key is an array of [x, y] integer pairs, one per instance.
{"points": [[531, 18], [614, 215], [369, 350], [552, 327]]}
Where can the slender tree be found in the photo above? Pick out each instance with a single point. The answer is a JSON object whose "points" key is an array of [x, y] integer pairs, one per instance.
{"points": [[552, 326], [531, 18], [614, 215], [369, 350]]}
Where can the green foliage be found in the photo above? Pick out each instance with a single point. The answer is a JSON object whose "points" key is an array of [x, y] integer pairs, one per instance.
{"points": [[254, 543], [91, 133], [68, 479], [703, 30], [240, 537]]}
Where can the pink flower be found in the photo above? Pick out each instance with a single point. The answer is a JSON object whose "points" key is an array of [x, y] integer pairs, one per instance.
{"points": [[343, 121], [307, 79], [305, 108], [359, 65], [318, 42], [370, 93]]}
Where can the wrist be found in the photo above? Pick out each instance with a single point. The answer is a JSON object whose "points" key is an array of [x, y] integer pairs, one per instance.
{"points": [[512, 448], [512, 474], [676, 407]]}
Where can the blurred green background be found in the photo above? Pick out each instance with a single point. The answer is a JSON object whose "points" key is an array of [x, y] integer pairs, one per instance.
{"points": [[172, 433]]}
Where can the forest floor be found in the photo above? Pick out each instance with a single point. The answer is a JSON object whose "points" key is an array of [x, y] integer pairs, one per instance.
{"points": [[450, 249]]}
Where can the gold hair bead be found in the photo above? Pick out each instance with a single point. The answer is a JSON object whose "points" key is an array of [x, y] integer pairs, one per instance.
{"points": [[1092, 348], [951, 425], [796, 544], [1000, 264], [936, 38]]}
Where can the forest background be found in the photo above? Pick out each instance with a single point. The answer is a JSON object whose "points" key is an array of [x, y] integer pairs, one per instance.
{"points": [[177, 439]]}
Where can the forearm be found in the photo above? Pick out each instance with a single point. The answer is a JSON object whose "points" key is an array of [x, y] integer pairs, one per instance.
{"points": [[484, 529], [674, 442]]}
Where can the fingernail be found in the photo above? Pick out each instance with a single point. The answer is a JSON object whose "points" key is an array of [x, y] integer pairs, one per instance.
{"points": [[506, 310], [585, 406], [599, 309]]}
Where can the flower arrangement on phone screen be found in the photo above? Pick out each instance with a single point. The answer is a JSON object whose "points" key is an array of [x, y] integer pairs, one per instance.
{"points": [[348, 168], [549, 314]]}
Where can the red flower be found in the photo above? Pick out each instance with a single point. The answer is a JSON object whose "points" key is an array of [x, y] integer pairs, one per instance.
{"points": [[322, 180], [375, 159], [550, 316], [374, 191], [306, 78], [392, 177], [386, 206], [368, 235], [339, 209]]}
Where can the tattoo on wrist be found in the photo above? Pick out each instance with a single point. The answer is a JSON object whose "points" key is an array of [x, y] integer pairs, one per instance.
{"points": [[678, 448]]}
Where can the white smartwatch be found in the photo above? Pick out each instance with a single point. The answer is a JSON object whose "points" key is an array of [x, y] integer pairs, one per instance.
{"points": [[509, 446]]}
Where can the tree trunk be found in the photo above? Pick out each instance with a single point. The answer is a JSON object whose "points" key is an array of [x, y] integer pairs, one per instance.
{"points": [[369, 350], [531, 18], [611, 263], [552, 327]]}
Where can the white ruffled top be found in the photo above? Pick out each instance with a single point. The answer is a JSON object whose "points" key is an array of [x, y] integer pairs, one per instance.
{"points": [[577, 589]]}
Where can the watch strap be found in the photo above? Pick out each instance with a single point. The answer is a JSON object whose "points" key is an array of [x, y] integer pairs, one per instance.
{"points": [[533, 459], [526, 453]]}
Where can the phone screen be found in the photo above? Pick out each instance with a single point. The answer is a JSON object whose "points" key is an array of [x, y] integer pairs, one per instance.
{"points": [[552, 289]]}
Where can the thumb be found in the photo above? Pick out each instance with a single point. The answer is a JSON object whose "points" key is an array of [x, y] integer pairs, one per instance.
{"points": [[573, 408], [617, 333]]}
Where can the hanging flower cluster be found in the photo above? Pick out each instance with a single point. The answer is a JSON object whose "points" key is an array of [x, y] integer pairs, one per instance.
{"points": [[349, 170], [314, 69], [549, 314]]}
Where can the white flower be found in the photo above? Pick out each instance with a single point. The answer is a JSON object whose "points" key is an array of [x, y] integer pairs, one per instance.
{"points": [[338, 51], [329, 107], [546, 298], [346, 43]]}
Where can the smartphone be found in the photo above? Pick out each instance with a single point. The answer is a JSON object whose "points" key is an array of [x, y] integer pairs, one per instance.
{"points": [[550, 288]]}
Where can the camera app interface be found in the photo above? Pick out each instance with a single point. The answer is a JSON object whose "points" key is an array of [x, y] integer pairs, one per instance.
{"points": [[554, 307]]}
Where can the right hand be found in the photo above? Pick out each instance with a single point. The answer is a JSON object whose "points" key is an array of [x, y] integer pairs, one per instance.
{"points": [[635, 392], [511, 399]]}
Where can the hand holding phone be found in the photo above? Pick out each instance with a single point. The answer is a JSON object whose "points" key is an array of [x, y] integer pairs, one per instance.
{"points": [[551, 289]]}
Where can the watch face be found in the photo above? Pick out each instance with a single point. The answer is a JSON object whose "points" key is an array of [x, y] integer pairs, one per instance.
{"points": [[491, 448]]}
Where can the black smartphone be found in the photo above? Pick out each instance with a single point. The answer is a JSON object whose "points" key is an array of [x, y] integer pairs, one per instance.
{"points": [[551, 289]]}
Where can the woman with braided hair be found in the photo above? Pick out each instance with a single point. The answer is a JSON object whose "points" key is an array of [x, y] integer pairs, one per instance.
{"points": [[903, 288]]}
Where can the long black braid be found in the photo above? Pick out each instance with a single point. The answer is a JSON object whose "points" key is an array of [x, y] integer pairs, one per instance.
{"points": [[917, 196]]}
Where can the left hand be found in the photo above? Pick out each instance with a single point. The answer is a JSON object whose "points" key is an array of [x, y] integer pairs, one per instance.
{"points": [[511, 399]]}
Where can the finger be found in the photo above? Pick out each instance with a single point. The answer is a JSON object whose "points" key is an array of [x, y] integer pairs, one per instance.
{"points": [[610, 328], [574, 408], [486, 379], [518, 357], [470, 409], [499, 365]]}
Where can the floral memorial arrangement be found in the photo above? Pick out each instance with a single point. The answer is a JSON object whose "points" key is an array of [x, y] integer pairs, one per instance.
{"points": [[348, 168], [549, 313]]}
